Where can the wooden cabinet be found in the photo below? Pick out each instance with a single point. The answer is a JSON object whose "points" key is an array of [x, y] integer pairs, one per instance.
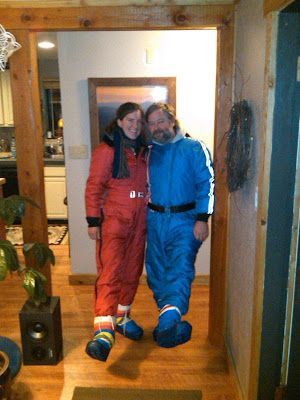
{"points": [[6, 107], [55, 192]]}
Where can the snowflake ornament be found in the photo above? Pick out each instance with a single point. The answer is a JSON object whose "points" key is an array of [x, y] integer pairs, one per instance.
{"points": [[8, 45]]}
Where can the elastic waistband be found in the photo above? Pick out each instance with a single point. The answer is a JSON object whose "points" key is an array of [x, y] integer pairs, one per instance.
{"points": [[172, 209]]}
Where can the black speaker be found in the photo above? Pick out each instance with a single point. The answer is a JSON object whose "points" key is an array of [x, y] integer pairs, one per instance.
{"points": [[41, 332]]}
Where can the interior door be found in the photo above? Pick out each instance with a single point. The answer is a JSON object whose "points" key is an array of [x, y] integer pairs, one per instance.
{"points": [[277, 354]]}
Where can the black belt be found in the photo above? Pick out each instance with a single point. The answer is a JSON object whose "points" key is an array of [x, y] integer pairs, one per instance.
{"points": [[172, 209]]}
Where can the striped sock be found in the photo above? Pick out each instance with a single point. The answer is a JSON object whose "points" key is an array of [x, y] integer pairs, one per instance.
{"points": [[123, 314], [104, 330], [169, 316], [127, 326]]}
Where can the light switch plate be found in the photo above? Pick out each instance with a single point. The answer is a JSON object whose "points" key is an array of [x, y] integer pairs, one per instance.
{"points": [[78, 151], [149, 55]]}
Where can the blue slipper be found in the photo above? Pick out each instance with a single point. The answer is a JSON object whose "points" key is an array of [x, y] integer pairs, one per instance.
{"points": [[98, 349], [130, 329], [174, 336]]}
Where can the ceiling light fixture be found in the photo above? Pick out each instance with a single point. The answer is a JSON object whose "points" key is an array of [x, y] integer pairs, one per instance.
{"points": [[46, 44]]}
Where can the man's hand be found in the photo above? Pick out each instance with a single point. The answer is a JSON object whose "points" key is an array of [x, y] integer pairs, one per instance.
{"points": [[201, 230], [94, 232]]}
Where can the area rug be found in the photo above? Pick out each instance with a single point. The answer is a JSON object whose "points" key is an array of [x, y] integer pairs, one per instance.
{"points": [[87, 393], [57, 234]]}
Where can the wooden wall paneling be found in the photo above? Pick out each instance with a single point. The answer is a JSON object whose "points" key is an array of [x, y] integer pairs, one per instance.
{"points": [[217, 297], [115, 18], [29, 139], [263, 199], [275, 5]]}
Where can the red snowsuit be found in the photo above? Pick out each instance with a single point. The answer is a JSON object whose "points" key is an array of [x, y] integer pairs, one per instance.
{"points": [[120, 252]]}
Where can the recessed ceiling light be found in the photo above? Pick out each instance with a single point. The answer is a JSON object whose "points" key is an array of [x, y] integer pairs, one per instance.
{"points": [[46, 45]]}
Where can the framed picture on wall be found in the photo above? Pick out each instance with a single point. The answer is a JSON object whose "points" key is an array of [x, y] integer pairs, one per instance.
{"points": [[107, 94]]}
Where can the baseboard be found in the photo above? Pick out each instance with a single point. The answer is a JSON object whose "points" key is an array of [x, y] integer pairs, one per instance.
{"points": [[89, 279], [82, 279], [233, 375]]}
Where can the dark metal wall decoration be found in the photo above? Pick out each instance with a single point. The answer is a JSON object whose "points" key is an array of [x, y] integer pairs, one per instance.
{"points": [[239, 145]]}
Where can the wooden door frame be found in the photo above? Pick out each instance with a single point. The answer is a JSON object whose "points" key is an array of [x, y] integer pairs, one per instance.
{"points": [[275, 5], [23, 22]]}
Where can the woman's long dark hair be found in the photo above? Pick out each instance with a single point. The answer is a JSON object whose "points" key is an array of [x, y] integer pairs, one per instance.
{"points": [[119, 140]]}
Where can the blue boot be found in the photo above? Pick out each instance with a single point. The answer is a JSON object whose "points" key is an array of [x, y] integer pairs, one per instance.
{"points": [[178, 334], [171, 331], [98, 349], [104, 338], [169, 317], [129, 328]]}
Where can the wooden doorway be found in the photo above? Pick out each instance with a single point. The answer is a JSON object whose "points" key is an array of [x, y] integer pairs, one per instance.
{"points": [[24, 22]]}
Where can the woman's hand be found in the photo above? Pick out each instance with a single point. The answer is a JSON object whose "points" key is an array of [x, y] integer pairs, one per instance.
{"points": [[94, 232]]}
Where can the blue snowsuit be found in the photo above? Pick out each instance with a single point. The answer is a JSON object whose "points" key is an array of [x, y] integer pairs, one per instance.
{"points": [[180, 174]]}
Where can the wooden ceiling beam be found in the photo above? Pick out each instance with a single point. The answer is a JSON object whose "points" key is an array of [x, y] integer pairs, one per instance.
{"points": [[117, 18]]}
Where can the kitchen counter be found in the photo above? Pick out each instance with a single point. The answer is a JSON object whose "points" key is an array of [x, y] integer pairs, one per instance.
{"points": [[11, 162], [8, 170]]}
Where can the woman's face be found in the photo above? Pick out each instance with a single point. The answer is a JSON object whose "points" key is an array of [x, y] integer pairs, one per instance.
{"points": [[131, 124]]}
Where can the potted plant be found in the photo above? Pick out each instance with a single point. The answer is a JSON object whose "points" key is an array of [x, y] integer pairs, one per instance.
{"points": [[40, 317], [11, 208]]}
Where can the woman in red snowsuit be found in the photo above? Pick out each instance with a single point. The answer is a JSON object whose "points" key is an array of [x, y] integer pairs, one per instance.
{"points": [[116, 195]]}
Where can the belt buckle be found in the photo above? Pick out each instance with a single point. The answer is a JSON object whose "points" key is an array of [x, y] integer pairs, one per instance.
{"points": [[168, 210]]}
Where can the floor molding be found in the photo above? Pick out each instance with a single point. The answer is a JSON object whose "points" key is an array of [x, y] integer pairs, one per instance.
{"points": [[89, 279]]}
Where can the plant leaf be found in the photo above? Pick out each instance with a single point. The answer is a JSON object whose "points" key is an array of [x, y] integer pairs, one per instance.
{"points": [[13, 206], [3, 267], [33, 283], [9, 255], [29, 283], [41, 253]]}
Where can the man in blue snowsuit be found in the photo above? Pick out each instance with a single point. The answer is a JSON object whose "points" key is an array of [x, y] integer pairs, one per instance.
{"points": [[181, 180]]}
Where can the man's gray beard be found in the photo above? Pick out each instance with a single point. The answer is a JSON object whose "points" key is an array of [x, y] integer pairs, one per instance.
{"points": [[166, 136]]}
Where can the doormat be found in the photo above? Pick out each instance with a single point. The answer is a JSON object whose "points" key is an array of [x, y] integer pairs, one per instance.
{"points": [[57, 234], [99, 393]]}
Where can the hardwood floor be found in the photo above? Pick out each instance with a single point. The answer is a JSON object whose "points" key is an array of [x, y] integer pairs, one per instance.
{"points": [[194, 365]]}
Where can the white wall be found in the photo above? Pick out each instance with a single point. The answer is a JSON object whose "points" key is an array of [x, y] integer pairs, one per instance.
{"points": [[188, 55]]}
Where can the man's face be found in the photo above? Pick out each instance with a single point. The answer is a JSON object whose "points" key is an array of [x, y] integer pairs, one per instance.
{"points": [[161, 127], [132, 124]]}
